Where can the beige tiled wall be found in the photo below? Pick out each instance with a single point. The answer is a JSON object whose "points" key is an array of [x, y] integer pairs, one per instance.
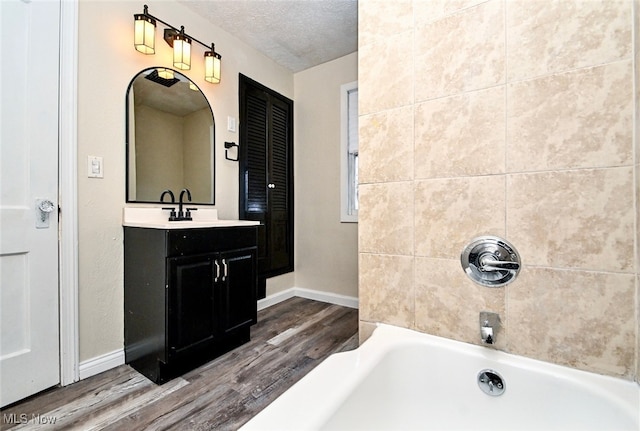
{"points": [[513, 118]]}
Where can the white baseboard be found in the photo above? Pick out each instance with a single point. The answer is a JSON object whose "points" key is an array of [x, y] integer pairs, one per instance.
{"points": [[110, 360], [316, 295], [101, 363], [276, 298]]}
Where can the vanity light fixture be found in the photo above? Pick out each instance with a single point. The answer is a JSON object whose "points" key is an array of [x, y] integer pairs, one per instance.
{"points": [[144, 41], [212, 66], [165, 73], [144, 32], [181, 44]]}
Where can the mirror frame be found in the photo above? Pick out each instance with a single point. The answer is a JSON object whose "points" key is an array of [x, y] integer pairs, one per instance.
{"points": [[127, 143]]}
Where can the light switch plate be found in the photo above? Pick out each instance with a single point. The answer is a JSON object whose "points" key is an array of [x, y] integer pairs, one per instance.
{"points": [[94, 167]]}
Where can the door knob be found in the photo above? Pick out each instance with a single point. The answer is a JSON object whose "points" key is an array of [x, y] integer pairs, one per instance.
{"points": [[45, 207]]}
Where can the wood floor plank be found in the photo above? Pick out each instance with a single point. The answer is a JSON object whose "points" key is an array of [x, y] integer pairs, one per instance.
{"points": [[309, 322], [128, 404], [66, 415], [185, 415], [54, 398], [289, 340]]}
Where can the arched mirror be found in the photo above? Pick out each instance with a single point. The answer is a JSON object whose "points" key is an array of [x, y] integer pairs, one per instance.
{"points": [[170, 138]]}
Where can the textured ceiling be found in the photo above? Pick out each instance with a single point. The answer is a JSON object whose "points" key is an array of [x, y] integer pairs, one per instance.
{"points": [[297, 34]]}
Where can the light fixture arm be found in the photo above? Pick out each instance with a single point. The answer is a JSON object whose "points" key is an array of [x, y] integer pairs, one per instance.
{"points": [[181, 30]]}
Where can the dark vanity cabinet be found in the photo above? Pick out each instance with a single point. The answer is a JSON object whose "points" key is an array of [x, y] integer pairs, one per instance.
{"points": [[190, 295]]}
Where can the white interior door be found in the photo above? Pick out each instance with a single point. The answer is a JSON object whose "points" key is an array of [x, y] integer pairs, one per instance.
{"points": [[29, 328]]}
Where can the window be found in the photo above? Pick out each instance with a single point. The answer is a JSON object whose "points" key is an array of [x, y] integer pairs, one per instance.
{"points": [[349, 152]]}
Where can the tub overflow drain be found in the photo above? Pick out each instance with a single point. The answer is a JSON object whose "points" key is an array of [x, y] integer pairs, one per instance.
{"points": [[491, 382]]}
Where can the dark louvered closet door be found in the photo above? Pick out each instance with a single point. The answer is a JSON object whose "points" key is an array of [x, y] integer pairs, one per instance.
{"points": [[279, 186], [266, 177], [254, 166]]}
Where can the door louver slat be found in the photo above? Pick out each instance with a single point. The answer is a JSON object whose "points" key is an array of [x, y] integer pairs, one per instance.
{"points": [[279, 172], [256, 181]]}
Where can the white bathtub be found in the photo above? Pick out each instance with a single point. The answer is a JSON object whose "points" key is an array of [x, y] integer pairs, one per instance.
{"points": [[404, 380]]}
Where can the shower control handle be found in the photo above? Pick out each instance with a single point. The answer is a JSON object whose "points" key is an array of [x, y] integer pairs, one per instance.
{"points": [[489, 264], [490, 261]]}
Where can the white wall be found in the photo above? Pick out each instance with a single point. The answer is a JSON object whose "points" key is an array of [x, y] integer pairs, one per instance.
{"points": [[156, 151], [107, 63], [326, 249]]}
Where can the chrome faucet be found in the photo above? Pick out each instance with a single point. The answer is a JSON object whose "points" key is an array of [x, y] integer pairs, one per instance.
{"points": [[489, 325]]}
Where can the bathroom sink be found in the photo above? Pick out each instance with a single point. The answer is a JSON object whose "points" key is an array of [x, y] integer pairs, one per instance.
{"points": [[156, 218]]}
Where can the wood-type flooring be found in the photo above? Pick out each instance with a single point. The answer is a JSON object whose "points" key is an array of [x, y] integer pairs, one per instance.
{"points": [[289, 340]]}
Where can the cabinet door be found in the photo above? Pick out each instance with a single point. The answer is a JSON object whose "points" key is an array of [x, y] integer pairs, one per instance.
{"points": [[238, 292], [191, 301]]}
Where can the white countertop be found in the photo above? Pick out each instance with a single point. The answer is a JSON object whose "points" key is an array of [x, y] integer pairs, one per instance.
{"points": [[156, 218]]}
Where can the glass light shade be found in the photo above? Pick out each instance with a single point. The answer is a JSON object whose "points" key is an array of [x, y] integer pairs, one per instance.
{"points": [[212, 67], [165, 73], [144, 33], [182, 52]]}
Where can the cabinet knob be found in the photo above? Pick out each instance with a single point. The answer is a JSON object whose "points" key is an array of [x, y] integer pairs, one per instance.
{"points": [[271, 186]]}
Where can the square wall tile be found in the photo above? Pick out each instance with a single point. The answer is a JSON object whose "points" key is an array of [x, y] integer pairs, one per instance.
{"points": [[581, 319], [386, 289], [638, 329], [461, 135], [386, 146], [451, 212], [379, 19], [462, 52], [637, 216], [573, 219], [636, 29], [554, 36], [385, 218], [365, 330], [385, 74], [579, 119], [636, 23], [637, 175], [427, 11], [448, 303]]}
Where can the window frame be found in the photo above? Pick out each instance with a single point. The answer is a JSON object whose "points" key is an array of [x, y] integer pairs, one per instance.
{"points": [[348, 163]]}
